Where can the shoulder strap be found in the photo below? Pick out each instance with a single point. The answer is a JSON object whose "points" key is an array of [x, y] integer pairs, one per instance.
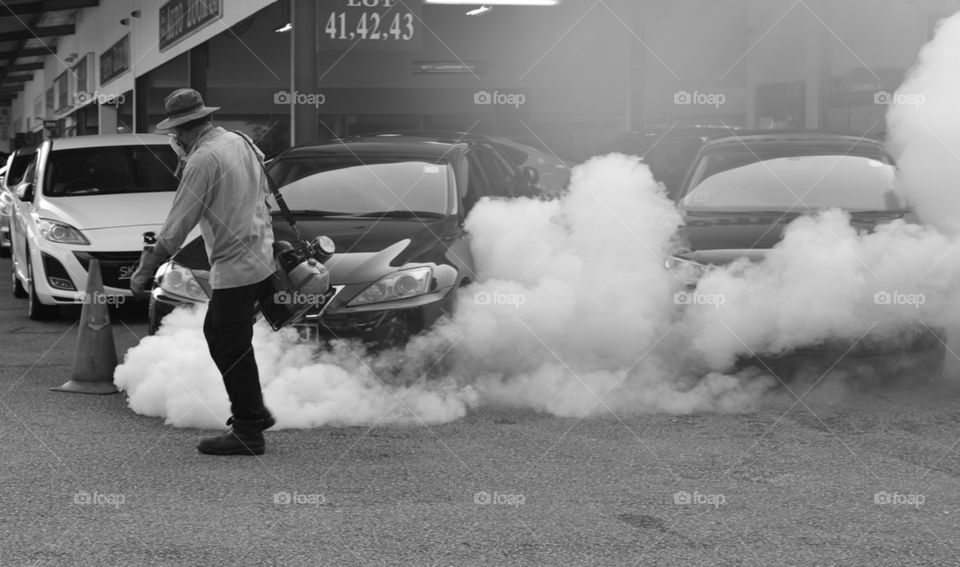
{"points": [[274, 190]]}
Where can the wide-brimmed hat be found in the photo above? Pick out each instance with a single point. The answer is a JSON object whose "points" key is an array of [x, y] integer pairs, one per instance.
{"points": [[182, 106]]}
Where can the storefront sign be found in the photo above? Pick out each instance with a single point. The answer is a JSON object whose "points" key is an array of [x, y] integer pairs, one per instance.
{"points": [[381, 25], [472, 67], [180, 18], [115, 60]]}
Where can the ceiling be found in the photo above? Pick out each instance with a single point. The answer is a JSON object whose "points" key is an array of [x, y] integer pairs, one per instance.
{"points": [[28, 32]]}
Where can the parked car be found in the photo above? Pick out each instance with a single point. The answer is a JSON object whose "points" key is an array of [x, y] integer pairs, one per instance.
{"points": [[394, 207], [526, 170], [15, 167], [83, 198], [742, 192], [670, 152], [5, 200]]}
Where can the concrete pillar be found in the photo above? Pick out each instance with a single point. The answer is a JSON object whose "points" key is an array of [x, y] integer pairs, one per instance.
{"points": [[304, 120], [107, 123], [815, 65]]}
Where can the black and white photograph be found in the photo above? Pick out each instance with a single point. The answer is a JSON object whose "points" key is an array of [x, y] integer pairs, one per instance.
{"points": [[450, 283]]}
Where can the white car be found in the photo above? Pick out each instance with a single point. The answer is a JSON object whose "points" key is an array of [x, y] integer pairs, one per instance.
{"points": [[87, 197], [6, 200]]}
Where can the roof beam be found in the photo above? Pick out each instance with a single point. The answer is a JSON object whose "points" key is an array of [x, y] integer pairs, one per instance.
{"points": [[22, 67], [49, 31], [13, 79], [7, 10], [30, 52]]}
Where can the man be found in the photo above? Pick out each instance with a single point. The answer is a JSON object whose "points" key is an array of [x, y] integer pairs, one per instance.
{"points": [[224, 189]]}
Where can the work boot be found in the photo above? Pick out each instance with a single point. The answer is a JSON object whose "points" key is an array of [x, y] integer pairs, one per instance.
{"points": [[245, 438]]}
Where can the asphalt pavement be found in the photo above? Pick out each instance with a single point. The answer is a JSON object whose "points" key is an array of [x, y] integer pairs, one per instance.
{"points": [[863, 474]]}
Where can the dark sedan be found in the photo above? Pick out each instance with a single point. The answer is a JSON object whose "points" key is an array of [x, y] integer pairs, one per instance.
{"points": [[742, 192], [395, 209]]}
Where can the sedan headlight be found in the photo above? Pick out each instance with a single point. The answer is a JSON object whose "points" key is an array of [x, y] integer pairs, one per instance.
{"points": [[398, 285], [180, 281], [687, 271], [60, 232]]}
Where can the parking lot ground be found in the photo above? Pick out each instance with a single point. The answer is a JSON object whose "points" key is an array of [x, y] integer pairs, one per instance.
{"points": [[850, 476]]}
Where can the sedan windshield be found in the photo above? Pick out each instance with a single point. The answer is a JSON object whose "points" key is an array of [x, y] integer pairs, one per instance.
{"points": [[802, 182], [345, 185], [111, 170]]}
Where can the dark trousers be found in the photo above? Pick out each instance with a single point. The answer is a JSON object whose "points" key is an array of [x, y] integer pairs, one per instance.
{"points": [[228, 328]]}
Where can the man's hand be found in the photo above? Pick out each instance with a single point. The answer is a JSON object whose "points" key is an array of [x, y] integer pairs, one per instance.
{"points": [[150, 260]]}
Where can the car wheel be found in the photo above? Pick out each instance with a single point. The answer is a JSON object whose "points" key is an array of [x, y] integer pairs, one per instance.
{"points": [[16, 287], [37, 311]]}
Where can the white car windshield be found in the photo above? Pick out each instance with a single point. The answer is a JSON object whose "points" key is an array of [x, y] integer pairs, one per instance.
{"points": [[111, 170]]}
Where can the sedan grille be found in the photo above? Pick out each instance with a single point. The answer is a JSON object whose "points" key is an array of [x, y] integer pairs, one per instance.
{"points": [[115, 267]]}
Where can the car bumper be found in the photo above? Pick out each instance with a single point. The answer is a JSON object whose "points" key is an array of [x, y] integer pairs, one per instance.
{"points": [[60, 273], [382, 324]]}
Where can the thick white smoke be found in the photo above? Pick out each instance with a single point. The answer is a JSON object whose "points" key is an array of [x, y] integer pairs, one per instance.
{"points": [[574, 314], [826, 284], [171, 375], [924, 129]]}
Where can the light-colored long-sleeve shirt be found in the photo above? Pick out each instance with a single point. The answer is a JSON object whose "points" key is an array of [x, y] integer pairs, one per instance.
{"points": [[224, 189]]}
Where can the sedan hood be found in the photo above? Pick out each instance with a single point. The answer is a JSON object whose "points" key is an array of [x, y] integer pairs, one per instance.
{"points": [[90, 212], [721, 237], [369, 248]]}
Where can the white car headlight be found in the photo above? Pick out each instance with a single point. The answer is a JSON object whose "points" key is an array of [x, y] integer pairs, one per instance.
{"points": [[398, 285], [180, 281], [687, 271], [60, 232]]}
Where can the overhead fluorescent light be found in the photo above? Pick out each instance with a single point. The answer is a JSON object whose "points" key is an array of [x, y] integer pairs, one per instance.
{"points": [[495, 2], [478, 11], [284, 28]]}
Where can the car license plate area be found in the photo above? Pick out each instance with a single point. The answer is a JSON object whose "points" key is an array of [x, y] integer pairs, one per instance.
{"points": [[308, 333], [126, 271]]}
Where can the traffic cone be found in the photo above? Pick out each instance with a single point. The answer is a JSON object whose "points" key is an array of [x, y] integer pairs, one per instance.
{"points": [[96, 355]]}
